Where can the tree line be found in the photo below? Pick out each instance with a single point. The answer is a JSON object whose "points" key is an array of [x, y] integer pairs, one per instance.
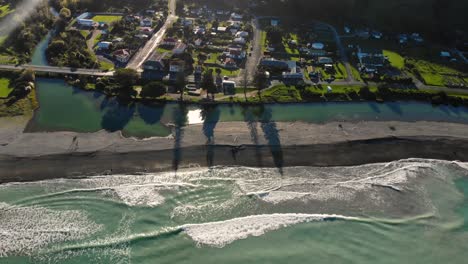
{"points": [[443, 20]]}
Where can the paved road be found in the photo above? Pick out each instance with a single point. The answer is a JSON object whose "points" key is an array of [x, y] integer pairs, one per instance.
{"points": [[344, 56], [143, 54], [256, 53], [52, 69]]}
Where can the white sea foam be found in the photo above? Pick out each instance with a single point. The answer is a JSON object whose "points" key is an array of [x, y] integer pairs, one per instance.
{"points": [[24, 230], [139, 195], [222, 233]]}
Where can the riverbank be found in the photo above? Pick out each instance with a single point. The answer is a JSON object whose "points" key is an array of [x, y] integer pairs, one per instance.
{"points": [[36, 156]]}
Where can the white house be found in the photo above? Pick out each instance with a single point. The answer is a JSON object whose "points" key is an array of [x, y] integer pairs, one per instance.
{"points": [[240, 41], [147, 22], [104, 45], [122, 55], [85, 22], [198, 42], [169, 42], [221, 29], [236, 17], [242, 34], [179, 48]]}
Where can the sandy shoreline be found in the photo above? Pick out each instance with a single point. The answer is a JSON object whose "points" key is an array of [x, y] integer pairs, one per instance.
{"points": [[36, 156]]}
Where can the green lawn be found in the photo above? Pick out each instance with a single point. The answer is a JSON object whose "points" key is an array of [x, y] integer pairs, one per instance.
{"points": [[263, 41], [340, 72], [290, 49], [22, 107], [85, 33], [7, 59], [438, 74], [5, 88], [396, 60], [213, 59], [104, 65], [225, 72], [163, 50], [282, 93], [106, 19]]}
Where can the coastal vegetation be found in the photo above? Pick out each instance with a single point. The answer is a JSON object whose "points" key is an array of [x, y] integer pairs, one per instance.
{"points": [[18, 45], [440, 19], [68, 48], [17, 95]]}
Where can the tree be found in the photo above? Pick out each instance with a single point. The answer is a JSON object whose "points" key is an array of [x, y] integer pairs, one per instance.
{"points": [[180, 83], [208, 84], [153, 89], [274, 35], [126, 79], [65, 13], [260, 80]]}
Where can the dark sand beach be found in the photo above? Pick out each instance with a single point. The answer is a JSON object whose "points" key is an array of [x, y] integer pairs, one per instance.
{"points": [[37, 156]]}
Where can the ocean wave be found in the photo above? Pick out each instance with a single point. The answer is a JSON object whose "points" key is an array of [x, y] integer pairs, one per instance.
{"points": [[222, 233], [24, 230]]}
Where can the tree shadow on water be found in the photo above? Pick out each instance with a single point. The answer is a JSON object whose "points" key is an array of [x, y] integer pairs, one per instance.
{"points": [[210, 115], [117, 116], [179, 116], [395, 107], [151, 114], [271, 134]]}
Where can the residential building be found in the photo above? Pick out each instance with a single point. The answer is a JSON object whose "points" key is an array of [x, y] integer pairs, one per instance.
{"points": [[147, 22], [169, 42], [229, 87], [324, 60], [370, 59], [104, 45], [179, 48], [154, 68], [85, 22], [122, 55], [272, 64]]}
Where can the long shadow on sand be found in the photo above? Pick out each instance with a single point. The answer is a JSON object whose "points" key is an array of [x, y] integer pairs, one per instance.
{"points": [[180, 120], [251, 117], [210, 115], [272, 136]]}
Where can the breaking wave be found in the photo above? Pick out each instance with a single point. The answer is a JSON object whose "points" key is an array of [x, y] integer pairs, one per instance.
{"points": [[24, 230], [222, 233], [249, 201]]}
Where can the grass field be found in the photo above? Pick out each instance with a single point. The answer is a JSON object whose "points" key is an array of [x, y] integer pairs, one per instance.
{"points": [[225, 72], [5, 88], [282, 93], [396, 60], [340, 72], [104, 65], [437, 74], [263, 41], [163, 50], [22, 107], [106, 19]]}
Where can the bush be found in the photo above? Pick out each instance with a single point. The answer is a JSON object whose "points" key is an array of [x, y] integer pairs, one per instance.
{"points": [[153, 90]]}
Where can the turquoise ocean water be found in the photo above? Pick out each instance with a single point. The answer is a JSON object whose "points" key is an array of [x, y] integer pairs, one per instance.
{"points": [[409, 211]]}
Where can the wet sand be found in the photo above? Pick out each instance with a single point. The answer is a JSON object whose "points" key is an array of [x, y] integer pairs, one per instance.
{"points": [[36, 156]]}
